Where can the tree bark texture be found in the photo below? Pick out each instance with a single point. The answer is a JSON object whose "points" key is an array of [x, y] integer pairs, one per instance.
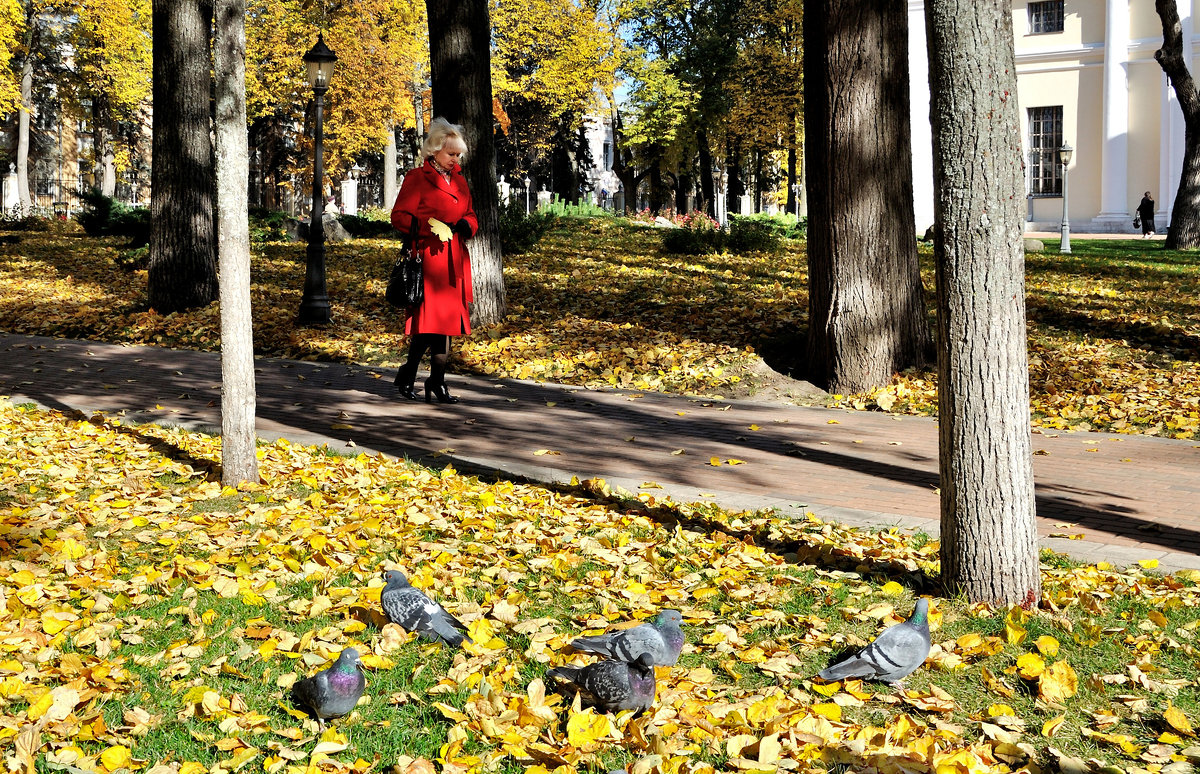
{"points": [[460, 67], [989, 547], [1184, 231], [867, 316], [183, 265], [238, 461]]}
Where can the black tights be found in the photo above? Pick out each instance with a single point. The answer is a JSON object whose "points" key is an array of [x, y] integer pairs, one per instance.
{"points": [[438, 347]]}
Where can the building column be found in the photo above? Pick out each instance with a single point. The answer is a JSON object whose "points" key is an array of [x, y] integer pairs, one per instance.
{"points": [[1114, 152]]}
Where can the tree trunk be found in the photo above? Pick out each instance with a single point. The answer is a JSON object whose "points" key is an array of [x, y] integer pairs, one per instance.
{"points": [[390, 188], [1184, 231], [238, 461], [707, 202], [866, 309], [102, 146], [183, 266], [23, 132], [460, 65], [989, 547], [792, 204]]}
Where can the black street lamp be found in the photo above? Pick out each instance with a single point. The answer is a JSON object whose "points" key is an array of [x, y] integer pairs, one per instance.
{"points": [[1064, 157], [314, 306]]}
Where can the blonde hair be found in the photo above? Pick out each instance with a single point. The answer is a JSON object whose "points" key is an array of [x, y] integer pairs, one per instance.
{"points": [[440, 132]]}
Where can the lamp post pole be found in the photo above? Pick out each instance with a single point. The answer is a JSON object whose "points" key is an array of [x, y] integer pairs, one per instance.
{"points": [[314, 306], [528, 182], [1064, 156]]}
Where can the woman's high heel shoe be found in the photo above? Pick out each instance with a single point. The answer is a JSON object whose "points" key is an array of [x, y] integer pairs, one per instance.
{"points": [[404, 384], [438, 391]]}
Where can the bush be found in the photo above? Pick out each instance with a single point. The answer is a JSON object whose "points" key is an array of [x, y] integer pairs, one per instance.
{"points": [[367, 227], [752, 234], [268, 225], [14, 219], [520, 232], [103, 216], [563, 209], [697, 234], [785, 225]]}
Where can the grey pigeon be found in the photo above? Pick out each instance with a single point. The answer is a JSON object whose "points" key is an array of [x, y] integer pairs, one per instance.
{"points": [[895, 653], [610, 686], [332, 692], [415, 612], [661, 638]]}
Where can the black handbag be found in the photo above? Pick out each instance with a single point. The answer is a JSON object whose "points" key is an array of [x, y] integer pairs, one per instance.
{"points": [[1137, 221], [406, 284]]}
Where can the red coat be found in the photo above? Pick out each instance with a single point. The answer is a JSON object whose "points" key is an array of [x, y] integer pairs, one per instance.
{"points": [[425, 194]]}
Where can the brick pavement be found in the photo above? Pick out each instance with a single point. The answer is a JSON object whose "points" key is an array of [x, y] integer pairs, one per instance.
{"points": [[1121, 497]]}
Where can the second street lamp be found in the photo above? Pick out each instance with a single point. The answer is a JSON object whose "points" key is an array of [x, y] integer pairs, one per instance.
{"points": [[1065, 152], [314, 306]]}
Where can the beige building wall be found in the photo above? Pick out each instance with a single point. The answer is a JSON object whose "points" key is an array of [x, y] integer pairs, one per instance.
{"points": [[1119, 114]]}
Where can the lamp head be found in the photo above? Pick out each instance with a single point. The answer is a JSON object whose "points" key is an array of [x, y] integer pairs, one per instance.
{"points": [[320, 59], [1065, 152]]}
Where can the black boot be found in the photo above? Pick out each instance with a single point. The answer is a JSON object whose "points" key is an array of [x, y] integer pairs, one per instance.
{"points": [[438, 390], [405, 378], [435, 385]]}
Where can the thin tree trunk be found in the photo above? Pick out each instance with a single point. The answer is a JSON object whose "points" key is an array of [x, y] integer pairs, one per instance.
{"points": [[866, 308], [390, 187], [1184, 231], [102, 146], [460, 65], [238, 461], [183, 266], [707, 197], [23, 132], [989, 547]]}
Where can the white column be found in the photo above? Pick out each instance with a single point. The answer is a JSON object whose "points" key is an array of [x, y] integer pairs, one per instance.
{"points": [[1114, 153]]}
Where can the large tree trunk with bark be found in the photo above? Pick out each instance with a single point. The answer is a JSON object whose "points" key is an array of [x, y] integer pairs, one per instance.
{"points": [[1184, 232], [866, 308], [238, 461], [989, 546], [183, 266], [460, 67]]}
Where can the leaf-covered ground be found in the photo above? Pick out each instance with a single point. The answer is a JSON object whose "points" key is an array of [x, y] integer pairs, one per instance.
{"points": [[152, 620], [1114, 327]]}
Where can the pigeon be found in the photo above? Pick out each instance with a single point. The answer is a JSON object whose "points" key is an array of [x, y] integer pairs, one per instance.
{"points": [[333, 692], [661, 638], [610, 686], [895, 653], [415, 612]]}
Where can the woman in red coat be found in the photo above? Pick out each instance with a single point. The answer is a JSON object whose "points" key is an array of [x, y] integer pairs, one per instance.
{"points": [[434, 210]]}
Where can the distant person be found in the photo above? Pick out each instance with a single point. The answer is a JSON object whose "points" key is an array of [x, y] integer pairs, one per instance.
{"points": [[1145, 212], [437, 190]]}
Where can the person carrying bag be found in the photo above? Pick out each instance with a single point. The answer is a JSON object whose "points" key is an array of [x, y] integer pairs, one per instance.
{"points": [[434, 206]]}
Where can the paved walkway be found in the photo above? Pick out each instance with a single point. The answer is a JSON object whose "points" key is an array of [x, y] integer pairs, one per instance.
{"points": [[1123, 498]]}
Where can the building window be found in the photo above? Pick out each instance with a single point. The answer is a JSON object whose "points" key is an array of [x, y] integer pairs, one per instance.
{"points": [[1045, 138], [1046, 17]]}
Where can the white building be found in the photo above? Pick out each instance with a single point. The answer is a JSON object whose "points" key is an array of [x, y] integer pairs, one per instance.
{"points": [[1086, 75]]}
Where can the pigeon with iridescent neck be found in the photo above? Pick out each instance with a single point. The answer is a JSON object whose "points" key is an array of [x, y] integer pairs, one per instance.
{"points": [[333, 692], [894, 655], [662, 638]]}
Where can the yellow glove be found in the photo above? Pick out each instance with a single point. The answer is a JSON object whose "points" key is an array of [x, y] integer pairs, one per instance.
{"points": [[440, 229]]}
